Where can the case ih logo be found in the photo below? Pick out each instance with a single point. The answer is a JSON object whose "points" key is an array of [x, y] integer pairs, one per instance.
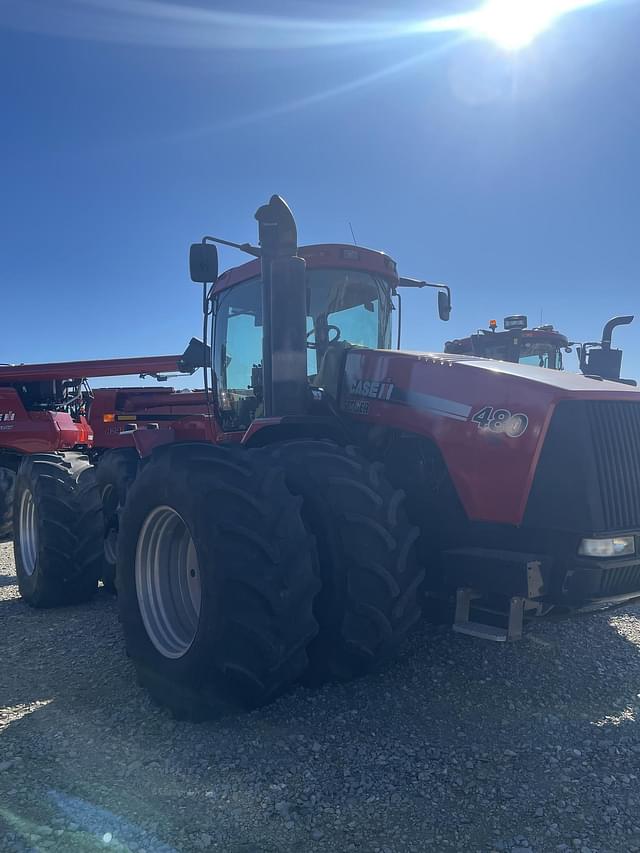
{"points": [[7, 420], [368, 388]]}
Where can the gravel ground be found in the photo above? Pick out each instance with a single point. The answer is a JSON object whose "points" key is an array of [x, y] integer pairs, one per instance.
{"points": [[462, 745]]}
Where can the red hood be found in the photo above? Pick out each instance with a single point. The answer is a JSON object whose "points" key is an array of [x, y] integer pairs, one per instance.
{"points": [[564, 381], [458, 403]]}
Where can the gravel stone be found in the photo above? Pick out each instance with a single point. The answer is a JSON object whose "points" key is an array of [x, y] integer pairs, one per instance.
{"points": [[459, 746]]}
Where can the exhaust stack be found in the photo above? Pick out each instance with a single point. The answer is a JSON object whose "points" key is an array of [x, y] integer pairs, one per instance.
{"points": [[600, 359], [284, 312], [607, 332]]}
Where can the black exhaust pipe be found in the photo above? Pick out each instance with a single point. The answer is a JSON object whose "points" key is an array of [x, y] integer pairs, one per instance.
{"points": [[600, 360], [607, 332], [284, 312]]}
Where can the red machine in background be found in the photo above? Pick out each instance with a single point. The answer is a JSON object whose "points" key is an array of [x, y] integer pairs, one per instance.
{"points": [[47, 408], [544, 346]]}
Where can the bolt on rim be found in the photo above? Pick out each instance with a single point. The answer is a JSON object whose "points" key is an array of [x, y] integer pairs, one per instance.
{"points": [[28, 533], [167, 578]]}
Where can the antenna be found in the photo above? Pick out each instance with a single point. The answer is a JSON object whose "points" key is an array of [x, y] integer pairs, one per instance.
{"points": [[352, 234]]}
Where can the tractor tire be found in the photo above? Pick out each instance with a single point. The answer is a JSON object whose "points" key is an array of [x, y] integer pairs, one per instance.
{"points": [[57, 522], [115, 472], [7, 485], [366, 557], [215, 580]]}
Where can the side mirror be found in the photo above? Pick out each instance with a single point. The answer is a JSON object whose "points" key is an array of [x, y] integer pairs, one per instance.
{"points": [[444, 294], [203, 263], [444, 304]]}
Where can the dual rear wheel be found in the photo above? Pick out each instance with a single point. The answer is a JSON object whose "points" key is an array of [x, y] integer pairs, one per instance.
{"points": [[239, 572]]}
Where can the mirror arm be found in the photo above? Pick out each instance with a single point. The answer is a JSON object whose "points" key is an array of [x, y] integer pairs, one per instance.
{"points": [[244, 247], [441, 288], [414, 282]]}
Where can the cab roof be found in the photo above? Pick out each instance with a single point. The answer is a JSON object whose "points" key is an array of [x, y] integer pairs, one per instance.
{"points": [[321, 256]]}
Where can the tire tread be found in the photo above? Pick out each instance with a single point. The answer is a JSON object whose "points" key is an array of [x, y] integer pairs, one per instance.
{"points": [[365, 555], [69, 529]]}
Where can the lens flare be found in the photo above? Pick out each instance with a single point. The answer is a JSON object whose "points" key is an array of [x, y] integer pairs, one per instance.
{"points": [[514, 24], [163, 23]]}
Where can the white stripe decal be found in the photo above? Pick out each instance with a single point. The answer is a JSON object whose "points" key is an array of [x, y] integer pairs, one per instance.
{"points": [[438, 405]]}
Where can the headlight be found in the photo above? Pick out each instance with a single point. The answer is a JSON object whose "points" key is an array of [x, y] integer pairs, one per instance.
{"points": [[618, 546]]}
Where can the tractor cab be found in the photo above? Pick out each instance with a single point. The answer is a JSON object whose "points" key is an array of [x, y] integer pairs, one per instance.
{"points": [[541, 346], [348, 302]]}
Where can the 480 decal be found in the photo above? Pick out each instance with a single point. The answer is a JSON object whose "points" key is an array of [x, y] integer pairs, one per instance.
{"points": [[502, 421]]}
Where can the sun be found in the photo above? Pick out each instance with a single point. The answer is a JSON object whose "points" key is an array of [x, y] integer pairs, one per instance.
{"points": [[513, 24]]}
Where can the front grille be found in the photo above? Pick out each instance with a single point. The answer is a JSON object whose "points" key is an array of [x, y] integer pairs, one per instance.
{"points": [[615, 433], [619, 581], [588, 476]]}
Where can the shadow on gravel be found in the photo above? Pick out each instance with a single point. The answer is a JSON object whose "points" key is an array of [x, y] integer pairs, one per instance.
{"points": [[459, 745]]}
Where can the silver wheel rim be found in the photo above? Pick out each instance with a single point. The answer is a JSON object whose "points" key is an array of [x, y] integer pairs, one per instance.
{"points": [[168, 582], [111, 530], [28, 533]]}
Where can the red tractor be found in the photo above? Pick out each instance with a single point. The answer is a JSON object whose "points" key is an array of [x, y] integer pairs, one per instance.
{"points": [[543, 346], [291, 527]]}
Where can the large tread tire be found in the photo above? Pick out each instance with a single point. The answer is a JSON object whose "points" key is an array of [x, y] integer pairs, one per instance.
{"points": [[58, 555], [116, 470], [257, 580], [7, 487], [366, 557]]}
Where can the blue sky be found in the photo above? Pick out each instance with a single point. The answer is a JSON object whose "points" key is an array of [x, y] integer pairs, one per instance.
{"points": [[512, 176]]}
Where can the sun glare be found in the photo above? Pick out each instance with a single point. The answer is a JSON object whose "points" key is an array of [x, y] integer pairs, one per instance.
{"points": [[513, 24]]}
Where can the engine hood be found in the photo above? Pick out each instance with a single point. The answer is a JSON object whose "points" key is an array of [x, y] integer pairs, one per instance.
{"points": [[488, 419], [563, 381]]}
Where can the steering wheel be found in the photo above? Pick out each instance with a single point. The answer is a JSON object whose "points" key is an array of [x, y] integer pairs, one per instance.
{"points": [[329, 340]]}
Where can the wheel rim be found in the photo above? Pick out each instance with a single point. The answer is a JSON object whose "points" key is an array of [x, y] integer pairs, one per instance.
{"points": [[168, 582], [110, 507], [28, 533]]}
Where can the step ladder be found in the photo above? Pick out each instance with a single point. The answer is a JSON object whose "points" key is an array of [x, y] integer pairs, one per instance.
{"points": [[463, 624]]}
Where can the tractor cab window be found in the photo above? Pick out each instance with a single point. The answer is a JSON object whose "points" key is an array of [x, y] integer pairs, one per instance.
{"points": [[344, 308], [238, 353], [540, 355]]}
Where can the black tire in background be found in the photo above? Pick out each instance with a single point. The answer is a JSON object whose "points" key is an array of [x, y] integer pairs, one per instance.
{"points": [[115, 471], [57, 523], [215, 580], [7, 485], [366, 556]]}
